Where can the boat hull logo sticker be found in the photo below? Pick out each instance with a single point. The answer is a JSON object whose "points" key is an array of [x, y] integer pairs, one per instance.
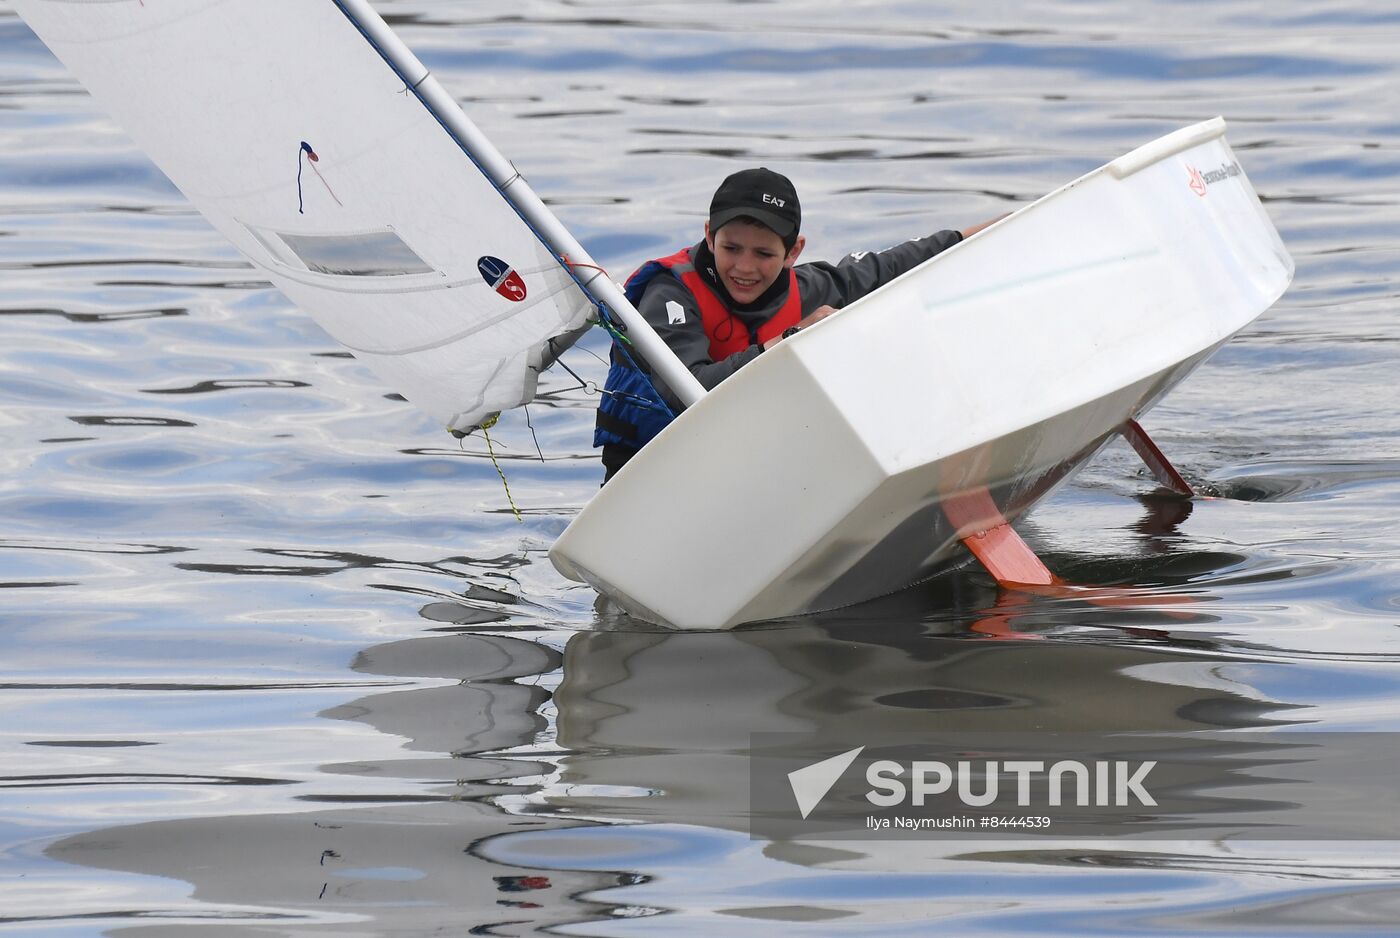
{"points": [[1197, 183], [501, 277], [1199, 180]]}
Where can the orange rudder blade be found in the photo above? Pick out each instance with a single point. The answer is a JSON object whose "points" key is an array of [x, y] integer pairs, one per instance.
{"points": [[1161, 467], [993, 541]]}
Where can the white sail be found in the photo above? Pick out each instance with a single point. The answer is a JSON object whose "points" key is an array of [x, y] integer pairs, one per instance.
{"points": [[317, 144]]}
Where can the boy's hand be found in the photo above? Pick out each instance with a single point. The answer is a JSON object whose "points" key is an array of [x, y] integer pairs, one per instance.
{"points": [[969, 232], [815, 316]]}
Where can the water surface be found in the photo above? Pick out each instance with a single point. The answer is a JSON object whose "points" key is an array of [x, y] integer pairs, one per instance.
{"points": [[278, 659]]}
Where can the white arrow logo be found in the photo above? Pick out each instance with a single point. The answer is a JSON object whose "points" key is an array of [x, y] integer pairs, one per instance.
{"points": [[810, 784]]}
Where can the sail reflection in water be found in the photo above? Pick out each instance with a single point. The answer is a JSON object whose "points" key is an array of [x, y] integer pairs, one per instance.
{"points": [[405, 862]]}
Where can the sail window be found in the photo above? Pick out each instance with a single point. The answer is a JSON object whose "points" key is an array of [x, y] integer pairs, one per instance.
{"points": [[273, 245], [364, 254]]}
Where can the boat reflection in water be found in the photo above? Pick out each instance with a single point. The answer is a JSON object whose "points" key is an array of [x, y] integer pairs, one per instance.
{"points": [[676, 714], [503, 819], [657, 728]]}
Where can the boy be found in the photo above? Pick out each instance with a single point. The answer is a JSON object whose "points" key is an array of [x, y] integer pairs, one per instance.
{"points": [[722, 302]]}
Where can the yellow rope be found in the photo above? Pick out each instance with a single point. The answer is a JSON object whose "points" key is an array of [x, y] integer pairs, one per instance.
{"points": [[486, 425]]}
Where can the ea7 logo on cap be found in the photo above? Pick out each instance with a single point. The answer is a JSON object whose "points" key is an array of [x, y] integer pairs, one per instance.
{"points": [[773, 200]]}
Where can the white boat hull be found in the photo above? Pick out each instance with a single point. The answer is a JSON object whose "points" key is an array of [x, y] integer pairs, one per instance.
{"points": [[814, 478]]}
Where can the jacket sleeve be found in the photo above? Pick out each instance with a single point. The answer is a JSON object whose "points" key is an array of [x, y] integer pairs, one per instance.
{"points": [[671, 310], [840, 284]]}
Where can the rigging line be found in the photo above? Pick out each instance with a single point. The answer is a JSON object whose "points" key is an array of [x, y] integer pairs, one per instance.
{"points": [[529, 423], [591, 387], [617, 331], [306, 151], [620, 343], [301, 209], [327, 185], [486, 426], [557, 359], [576, 264], [597, 357], [587, 387]]}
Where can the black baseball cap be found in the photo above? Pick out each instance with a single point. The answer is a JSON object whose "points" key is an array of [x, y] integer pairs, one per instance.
{"points": [[761, 194]]}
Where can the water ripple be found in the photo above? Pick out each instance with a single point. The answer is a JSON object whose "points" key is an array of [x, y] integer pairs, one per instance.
{"points": [[104, 779], [277, 654]]}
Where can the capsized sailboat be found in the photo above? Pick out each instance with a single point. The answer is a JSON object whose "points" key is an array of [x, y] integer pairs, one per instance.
{"points": [[913, 426], [928, 415]]}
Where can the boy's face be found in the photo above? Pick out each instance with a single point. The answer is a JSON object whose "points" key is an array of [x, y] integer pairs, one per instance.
{"points": [[749, 258]]}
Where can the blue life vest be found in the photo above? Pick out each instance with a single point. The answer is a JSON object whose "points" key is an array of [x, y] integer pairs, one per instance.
{"points": [[631, 412]]}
